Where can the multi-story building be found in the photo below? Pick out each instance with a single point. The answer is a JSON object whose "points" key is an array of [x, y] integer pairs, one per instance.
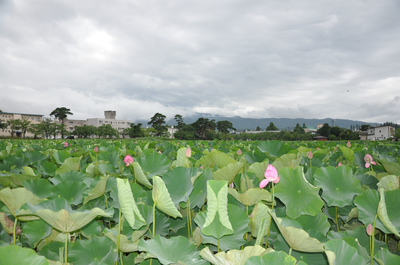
{"points": [[109, 118], [6, 116], [380, 132]]}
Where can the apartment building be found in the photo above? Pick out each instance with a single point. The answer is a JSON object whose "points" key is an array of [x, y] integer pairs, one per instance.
{"points": [[6, 116], [109, 118], [380, 132]]}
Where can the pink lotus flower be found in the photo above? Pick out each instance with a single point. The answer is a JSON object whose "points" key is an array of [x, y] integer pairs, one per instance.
{"points": [[310, 155], [340, 164], [369, 230], [188, 152], [66, 144], [159, 152], [128, 160], [96, 149], [335, 148], [368, 161], [348, 144], [271, 174], [239, 152]]}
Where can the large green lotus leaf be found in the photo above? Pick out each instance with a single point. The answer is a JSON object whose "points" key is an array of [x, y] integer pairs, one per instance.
{"points": [[70, 164], [338, 185], [233, 257], [388, 210], [318, 223], [64, 220], [296, 238], [221, 159], [60, 156], [360, 234], [106, 168], [35, 156], [69, 176], [52, 250], [274, 149], [287, 160], [199, 193], [240, 226], [70, 190], [299, 196], [98, 250], [251, 196], [15, 198], [181, 159], [162, 199], [256, 156], [40, 187], [18, 179], [172, 251], [339, 252], [128, 205], [390, 182], [217, 223], [392, 168], [98, 190], [153, 163], [366, 179], [387, 258], [367, 207], [92, 229], [228, 172], [215, 158], [47, 168], [19, 255], [259, 215], [110, 156], [55, 205], [35, 231], [348, 153], [140, 176], [259, 168], [275, 257], [125, 245], [309, 258], [179, 183]]}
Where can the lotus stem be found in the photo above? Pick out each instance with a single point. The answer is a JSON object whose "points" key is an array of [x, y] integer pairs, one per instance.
{"points": [[218, 245], [154, 220], [273, 195], [337, 221], [119, 233], [66, 249], [15, 228], [373, 241], [290, 251]]}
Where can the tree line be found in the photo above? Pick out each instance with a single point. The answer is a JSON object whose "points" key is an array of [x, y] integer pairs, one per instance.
{"points": [[201, 129]]}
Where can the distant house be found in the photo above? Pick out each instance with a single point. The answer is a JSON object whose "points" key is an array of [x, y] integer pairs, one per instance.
{"points": [[172, 131], [380, 132], [6, 116], [320, 138]]}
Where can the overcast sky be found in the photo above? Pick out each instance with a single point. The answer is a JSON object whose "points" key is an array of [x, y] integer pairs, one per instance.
{"points": [[251, 58]]}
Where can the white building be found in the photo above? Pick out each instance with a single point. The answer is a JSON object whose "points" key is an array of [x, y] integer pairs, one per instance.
{"points": [[109, 118], [380, 132]]}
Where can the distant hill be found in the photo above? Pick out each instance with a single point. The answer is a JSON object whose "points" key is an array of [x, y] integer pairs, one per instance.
{"points": [[282, 123]]}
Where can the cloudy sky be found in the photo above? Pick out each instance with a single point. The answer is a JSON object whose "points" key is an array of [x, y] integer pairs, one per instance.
{"points": [[249, 58]]}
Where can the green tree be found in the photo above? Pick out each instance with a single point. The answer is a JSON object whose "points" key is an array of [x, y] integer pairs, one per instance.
{"points": [[24, 126], [157, 122], [135, 130], [224, 127], [324, 130], [272, 127], [397, 134], [204, 128], [47, 127], [107, 131], [61, 113], [35, 129], [14, 126], [179, 121], [85, 131], [258, 128], [298, 129], [365, 127]]}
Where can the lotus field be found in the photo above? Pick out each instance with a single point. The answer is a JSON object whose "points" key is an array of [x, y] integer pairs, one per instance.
{"points": [[199, 202]]}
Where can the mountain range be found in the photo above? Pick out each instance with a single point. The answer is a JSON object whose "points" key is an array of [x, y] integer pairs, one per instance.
{"points": [[281, 123]]}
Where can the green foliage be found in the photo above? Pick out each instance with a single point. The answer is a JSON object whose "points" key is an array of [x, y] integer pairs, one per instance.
{"points": [[64, 203]]}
